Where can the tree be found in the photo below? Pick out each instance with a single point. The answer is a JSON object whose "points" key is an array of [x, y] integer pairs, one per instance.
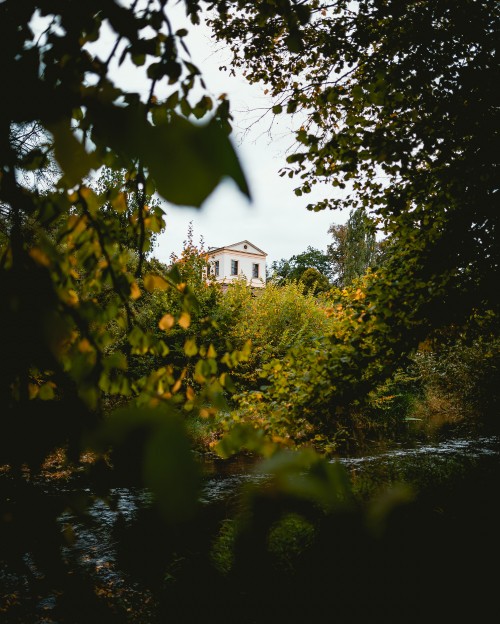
{"points": [[314, 282], [293, 268], [72, 257], [193, 261], [396, 104], [191, 265], [119, 203], [354, 248]]}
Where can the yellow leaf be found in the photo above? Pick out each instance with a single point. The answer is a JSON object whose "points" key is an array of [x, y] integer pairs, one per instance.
{"points": [[184, 320], [70, 297], [91, 199], [39, 256], [190, 394], [135, 291], [212, 353], [166, 322], [176, 386], [119, 203], [153, 282], [204, 413], [84, 346], [190, 348]]}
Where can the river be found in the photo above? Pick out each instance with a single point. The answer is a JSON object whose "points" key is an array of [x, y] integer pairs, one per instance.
{"points": [[91, 544]]}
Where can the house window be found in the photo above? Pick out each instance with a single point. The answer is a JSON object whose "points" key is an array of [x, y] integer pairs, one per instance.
{"points": [[234, 267], [216, 268], [255, 270]]}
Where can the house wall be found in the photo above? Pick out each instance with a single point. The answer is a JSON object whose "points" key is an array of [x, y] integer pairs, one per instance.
{"points": [[245, 263]]}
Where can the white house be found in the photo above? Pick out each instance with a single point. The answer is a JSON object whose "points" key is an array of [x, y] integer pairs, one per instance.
{"points": [[241, 260]]}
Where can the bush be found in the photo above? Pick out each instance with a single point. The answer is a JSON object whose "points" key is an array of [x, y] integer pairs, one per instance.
{"points": [[275, 320], [459, 380]]}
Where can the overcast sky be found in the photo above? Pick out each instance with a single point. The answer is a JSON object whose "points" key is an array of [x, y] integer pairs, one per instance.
{"points": [[276, 220]]}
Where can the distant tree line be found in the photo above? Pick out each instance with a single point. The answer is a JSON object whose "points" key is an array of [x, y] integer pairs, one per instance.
{"points": [[353, 250]]}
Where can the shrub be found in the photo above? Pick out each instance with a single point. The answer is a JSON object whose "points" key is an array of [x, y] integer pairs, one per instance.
{"points": [[276, 320]]}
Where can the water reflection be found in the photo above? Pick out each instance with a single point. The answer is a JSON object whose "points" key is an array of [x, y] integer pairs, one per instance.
{"points": [[94, 543], [94, 536], [475, 448]]}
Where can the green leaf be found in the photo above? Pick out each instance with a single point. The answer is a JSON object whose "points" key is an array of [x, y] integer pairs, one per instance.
{"points": [[70, 153], [46, 392], [306, 475], [138, 59], [154, 442], [357, 93], [294, 42], [170, 470], [160, 115], [244, 437], [187, 161]]}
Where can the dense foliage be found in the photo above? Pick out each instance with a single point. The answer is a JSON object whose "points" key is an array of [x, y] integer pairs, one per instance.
{"points": [[75, 267], [395, 103], [354, 248], [363, 113], [294, 267], [105, 348], [272, 322]]}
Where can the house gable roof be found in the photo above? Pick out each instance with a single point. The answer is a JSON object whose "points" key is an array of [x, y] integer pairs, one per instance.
{"points": [[239, 247]]}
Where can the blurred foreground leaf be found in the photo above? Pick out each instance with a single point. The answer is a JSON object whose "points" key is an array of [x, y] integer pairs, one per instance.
{"points": [[150, 446]]}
